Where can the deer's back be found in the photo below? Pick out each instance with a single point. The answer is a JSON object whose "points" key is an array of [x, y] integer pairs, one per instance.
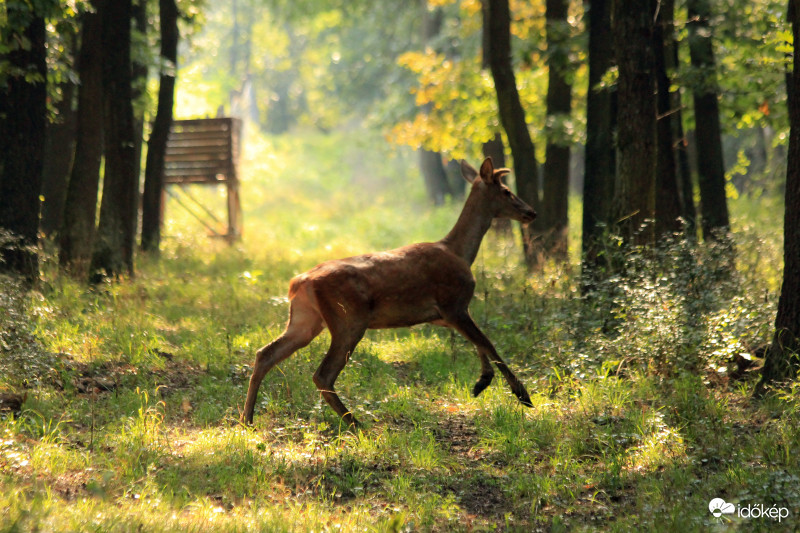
{"points": [[401, 287]]}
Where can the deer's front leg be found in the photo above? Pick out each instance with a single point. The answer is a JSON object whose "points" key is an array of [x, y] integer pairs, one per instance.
{"points": [[464, 324]]}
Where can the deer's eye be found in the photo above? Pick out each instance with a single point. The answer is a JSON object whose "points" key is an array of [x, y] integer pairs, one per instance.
{"points": [[507, 192]]}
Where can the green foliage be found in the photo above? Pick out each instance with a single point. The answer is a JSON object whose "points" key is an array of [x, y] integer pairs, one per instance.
{"points": [[61, 18], [301, 63], [456, 105], [326, 65], [23, 359], [751, 45]]}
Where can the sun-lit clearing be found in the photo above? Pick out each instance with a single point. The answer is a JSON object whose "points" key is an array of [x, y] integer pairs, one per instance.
{"points": [[130, 395], [659, 445]]}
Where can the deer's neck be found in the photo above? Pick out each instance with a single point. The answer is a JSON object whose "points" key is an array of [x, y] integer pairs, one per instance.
{"points": [[465, 238]]}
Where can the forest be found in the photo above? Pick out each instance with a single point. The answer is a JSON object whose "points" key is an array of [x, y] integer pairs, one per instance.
{"points": [[596, 203]]}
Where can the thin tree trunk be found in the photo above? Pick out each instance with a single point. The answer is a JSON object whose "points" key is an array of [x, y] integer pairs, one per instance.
{"points": [[555, 178], [600, 152], [59, 151], [435, 177], [512, 117], [680, 143], [116, 231], [157, 145], [710, 164], [668, 196], [454, 178], [781, 358], [139, 72], [634, 189], [76, 236], [688, 209], [495, 149], [23, 108], [430, 162]]}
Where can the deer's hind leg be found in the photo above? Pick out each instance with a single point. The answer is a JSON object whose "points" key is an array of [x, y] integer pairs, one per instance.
{"points": [[347, 326], [342, 346], [464, 324], [305, 323]]}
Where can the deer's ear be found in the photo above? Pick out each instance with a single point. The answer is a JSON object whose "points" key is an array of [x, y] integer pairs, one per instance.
{"points": [[499, 173], [468, 171], [487, 170]]}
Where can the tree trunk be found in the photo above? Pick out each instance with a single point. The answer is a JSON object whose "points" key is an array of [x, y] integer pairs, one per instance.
{"points": [[668, 196], [636, 115], [23, 112], [430, 162], [116, 232], [512, 117], [555, 178], [688, 209], [59, 151], [139, 72], [76, 236], [600, 152], [435, 177], [157, 145], [710, 165], [781, 358], [494, 148], [458, 184]]}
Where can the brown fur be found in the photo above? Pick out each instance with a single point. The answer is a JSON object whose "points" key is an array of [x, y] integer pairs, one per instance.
{"points": [[414, 284]]}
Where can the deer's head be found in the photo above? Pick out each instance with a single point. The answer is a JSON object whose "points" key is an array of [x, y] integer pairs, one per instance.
{"points": [[494, 194]]}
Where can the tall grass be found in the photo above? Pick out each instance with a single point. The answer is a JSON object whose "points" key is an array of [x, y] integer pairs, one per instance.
{"points": [[640, 413]]}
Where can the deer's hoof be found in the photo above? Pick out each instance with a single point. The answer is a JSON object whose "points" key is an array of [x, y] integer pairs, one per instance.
{"points": [[524, 399], [350, 423], [481, 384]]}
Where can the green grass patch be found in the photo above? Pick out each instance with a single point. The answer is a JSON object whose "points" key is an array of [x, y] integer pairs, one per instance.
{"points": [[131, 391]]}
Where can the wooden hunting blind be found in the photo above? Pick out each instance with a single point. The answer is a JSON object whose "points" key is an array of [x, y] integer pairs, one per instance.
{"points": [[206, 152]]}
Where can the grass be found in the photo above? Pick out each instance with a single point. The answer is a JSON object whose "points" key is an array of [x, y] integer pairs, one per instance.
{"points": [[639, 419]]}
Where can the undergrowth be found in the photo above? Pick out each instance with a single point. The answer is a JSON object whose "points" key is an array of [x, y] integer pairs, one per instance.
{"points": [[641, 389]]}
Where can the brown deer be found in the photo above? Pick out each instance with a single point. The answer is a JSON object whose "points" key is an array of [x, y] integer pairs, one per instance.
{"points": [[415, 284]]}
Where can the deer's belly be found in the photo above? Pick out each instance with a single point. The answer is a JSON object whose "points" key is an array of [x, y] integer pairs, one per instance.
{"points": [[395, 313]]}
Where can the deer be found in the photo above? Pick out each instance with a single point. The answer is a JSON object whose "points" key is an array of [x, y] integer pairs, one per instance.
{"points": [[428, 282]]}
